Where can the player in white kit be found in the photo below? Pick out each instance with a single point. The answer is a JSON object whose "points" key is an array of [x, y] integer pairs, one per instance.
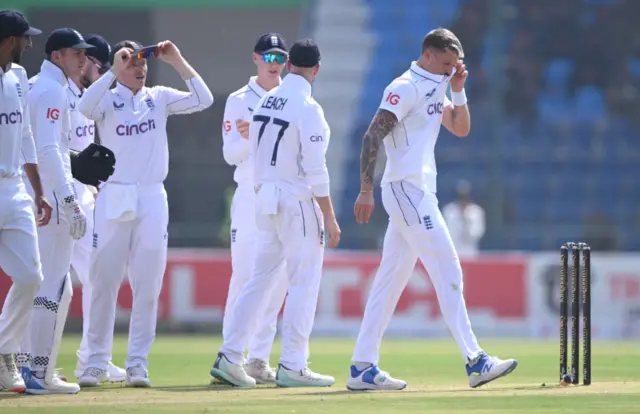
{"points": [[19, 256], [131, 211], [413, 107], [289, 138], [51, 125], [270, 55], [83, 133]]}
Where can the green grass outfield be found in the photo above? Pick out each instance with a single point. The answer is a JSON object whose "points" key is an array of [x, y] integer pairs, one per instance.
{"points": [[434, 370]]}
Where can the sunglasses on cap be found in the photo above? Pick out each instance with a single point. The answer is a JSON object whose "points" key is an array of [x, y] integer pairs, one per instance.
{"points": [[146, 52], [274, 58]]}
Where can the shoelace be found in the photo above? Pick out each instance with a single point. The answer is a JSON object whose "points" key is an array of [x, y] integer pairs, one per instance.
{"points": [[94, 372], [137, 371]]}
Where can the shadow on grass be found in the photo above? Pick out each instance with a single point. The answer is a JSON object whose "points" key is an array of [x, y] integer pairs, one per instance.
{"points": [[427, 391]]}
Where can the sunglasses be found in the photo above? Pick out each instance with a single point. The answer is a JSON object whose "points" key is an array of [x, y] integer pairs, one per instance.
{"points": [[274, 57], [146, 52]]}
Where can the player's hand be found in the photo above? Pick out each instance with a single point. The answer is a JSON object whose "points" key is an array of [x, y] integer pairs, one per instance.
{"points": [[333, 231], [168, 52], [364, 206], [121, 60], [44, 210], [75, 216], [243, 128], [460, 77]]}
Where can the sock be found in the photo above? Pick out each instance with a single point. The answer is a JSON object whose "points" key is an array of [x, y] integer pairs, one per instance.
{"points": [[361, 366]]}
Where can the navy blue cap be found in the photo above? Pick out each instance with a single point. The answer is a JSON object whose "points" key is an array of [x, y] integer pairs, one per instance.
{"points": [[13, 23], [271, 42], [101, 49], [304, 54], [65, 38]]}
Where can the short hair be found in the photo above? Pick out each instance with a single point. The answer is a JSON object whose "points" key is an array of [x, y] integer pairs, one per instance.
{"points": [[130, 44], [444, 40]]}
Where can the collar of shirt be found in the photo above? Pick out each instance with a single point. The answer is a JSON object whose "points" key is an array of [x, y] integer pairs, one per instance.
{"points": [[74, 88], [253, 84], [424, 73], [53, 72], [2, 71], [125, 92], [298, 82]]}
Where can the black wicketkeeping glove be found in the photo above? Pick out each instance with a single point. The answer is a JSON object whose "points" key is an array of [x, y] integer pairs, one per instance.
{"points": [[93, 165]]}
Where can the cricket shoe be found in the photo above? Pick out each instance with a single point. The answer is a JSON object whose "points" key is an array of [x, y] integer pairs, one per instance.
{"points": [[372, 378], [92, 377], [485, 369], [286, 377], [39, 386], [260, 371], [10, 378], [138, 377], [230, 373], [113, 373]]}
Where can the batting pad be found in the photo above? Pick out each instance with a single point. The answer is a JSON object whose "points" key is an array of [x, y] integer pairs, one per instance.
{"points": [[48, 320]]}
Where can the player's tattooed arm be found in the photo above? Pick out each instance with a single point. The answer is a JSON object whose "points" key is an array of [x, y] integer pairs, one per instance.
{"points": [[381, 125]]}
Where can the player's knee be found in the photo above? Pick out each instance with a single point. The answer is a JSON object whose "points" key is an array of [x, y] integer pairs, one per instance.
{"points": [[30, 277]]}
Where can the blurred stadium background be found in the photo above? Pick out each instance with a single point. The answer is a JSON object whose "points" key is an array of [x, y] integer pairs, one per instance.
{"points": [[552, 155]]}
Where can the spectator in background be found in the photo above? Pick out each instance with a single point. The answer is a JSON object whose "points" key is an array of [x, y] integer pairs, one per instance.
{"points": [[466, 221]]}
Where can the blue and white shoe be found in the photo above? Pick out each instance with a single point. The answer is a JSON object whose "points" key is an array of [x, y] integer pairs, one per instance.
{"points": [[230, 373], [38, 386], [289, 378], [485, 369], [373, 379]]}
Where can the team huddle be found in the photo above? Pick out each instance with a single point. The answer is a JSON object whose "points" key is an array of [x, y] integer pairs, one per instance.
{"points": [[95, 158]]}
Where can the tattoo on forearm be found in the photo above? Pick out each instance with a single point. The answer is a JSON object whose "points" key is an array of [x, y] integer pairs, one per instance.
{"points": [[381, 124]]}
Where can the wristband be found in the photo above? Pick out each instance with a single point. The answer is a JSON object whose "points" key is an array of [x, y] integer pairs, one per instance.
{"points": [[459, 98]]}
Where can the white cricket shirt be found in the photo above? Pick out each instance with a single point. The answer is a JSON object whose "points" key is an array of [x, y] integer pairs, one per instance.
{"points": [[417, 98], [16, 141], [134, 127], [289, 137], [82, 128], [51, 126], [235, 149]]}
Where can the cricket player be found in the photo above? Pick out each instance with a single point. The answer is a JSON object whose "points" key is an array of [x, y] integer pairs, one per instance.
{"points": [[270, 55], [83, 133], [413, 107], [51, 125], [288, 140], [131, 212], [19, 256]]}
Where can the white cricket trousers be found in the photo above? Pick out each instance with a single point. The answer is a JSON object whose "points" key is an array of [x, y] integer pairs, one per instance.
{"points": [[20, 260], [295, 236], [138, 246], [416, 230], [243, 242], [81, 263]]}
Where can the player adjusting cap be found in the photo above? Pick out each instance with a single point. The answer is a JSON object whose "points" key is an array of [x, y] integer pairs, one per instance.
{"points": [[13, 23], [65, 38], [101, 50], [304, 54], [271, 42]]}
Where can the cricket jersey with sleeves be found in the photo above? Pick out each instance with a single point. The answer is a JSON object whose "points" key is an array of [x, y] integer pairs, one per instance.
{"points": [[82, 128], [51, 126], [417, 98], [289, 137], [16, 139], [134, 127], [235, 149]]}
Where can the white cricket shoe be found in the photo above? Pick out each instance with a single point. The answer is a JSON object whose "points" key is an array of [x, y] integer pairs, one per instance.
{"points": [[92, 377], [373, 379], [138, 377], [260, 371], [303, 378], [485, 369], [10, 378], [39, 386], [230, 373], [115, 373]]}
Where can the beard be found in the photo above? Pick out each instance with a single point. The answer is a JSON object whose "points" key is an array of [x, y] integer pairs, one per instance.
{"points": [[86, 81], [16, 54]]}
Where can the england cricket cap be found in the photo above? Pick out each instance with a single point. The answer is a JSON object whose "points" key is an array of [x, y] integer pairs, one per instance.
{"points": [[13, 23], [101, 50], [304, 54], [271, 42], [65, 38]]}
